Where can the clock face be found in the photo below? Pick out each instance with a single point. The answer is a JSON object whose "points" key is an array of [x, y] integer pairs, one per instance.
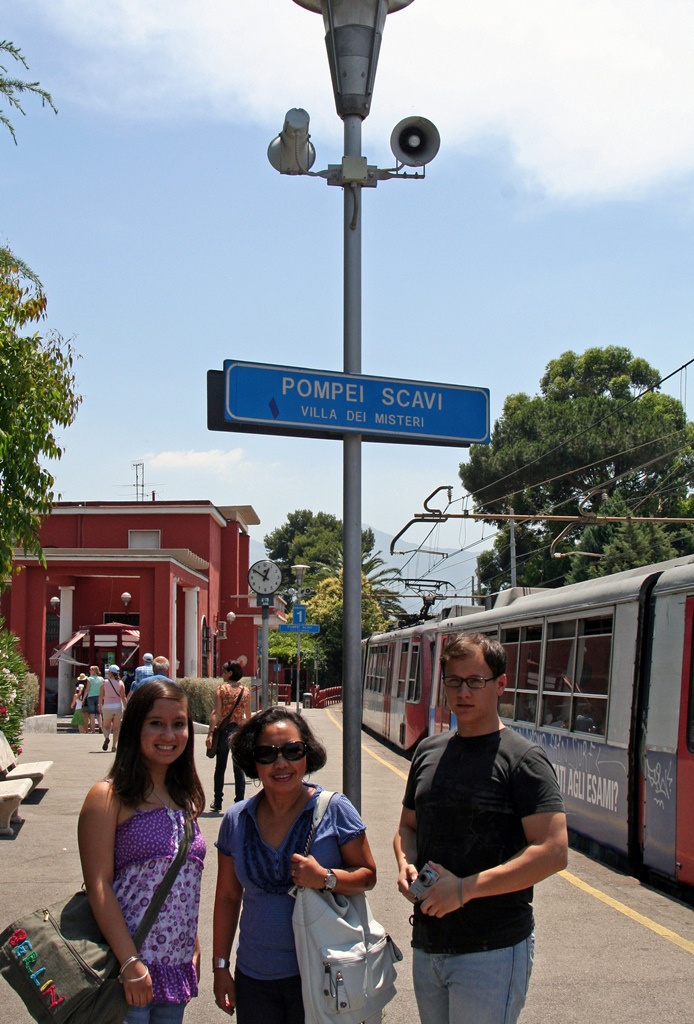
{"points": [[265, 577]]}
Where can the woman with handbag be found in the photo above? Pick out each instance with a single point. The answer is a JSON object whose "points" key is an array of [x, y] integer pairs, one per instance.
{"points": [[232, 703], [260, 857], [130, 828]]}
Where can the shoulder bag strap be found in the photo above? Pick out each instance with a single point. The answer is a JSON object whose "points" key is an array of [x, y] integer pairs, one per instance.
{"points": [[227, 718], [164, 888], [319, 810]]}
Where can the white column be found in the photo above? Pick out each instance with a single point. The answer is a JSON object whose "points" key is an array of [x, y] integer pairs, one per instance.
{"points": [[190, 642], [65, 669]]}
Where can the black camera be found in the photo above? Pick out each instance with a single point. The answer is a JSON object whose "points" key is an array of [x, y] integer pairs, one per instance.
{"points": [[426, 877]]}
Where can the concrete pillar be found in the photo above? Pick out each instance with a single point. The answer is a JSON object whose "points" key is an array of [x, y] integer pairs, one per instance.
{"points": [[65, 669], [190, 643]]}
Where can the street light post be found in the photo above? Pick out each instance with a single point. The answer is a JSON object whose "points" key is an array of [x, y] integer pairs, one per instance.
{"points": [[353, 33]]}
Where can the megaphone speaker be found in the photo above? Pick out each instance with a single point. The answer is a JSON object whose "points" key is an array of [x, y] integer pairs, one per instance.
{"points": [[415, 141]]}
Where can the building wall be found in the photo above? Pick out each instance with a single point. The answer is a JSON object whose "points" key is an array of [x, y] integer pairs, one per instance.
{"points": [[156, 583]]}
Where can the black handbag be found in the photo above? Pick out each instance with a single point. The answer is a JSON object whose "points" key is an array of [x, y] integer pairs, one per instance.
{"points": [[218, 729], [60, 965]]}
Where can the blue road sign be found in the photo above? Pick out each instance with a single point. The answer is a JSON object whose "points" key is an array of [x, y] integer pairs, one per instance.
{"points": [[295, 627], [299, 614], [294, 400]]}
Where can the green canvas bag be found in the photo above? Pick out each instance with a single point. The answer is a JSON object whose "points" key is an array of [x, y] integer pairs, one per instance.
{"points": [[60, 965]]}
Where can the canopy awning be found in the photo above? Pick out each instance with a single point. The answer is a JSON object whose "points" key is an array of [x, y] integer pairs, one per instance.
{"points": [[65, 646], [101, 636]]}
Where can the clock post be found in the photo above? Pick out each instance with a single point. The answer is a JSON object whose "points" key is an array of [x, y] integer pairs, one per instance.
{"points": [[264, 579]]}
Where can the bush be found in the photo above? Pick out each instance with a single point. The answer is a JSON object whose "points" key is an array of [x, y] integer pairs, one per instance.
{"points": [[31, 693], [13, 672], [200, 694]]}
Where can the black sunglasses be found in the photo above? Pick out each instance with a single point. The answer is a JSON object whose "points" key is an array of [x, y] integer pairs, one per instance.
{"points": [[289, 751]]}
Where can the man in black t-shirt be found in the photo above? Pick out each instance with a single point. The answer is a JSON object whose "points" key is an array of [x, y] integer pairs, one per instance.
{"points": [[482, 807]]}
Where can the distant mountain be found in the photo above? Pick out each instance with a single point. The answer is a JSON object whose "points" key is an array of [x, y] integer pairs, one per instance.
{"points": [[411, 567]]}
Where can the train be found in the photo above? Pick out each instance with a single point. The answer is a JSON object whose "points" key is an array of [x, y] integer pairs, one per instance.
{"points": [[599, 674]]}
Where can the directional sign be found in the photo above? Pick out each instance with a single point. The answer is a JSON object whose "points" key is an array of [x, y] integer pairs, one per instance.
{"points": [[299, 614], [296, 627], [258, 398]]}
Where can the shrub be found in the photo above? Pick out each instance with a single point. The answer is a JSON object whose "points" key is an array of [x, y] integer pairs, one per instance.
{"points": [[31, 693], [13, 671], [200, 694]]}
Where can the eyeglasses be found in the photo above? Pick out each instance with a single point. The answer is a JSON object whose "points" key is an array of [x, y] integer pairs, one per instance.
{"points": [[289, 751], [473, 682]]}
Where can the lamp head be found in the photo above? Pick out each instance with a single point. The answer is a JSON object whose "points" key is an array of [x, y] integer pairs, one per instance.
{"points": [[353, 33]]}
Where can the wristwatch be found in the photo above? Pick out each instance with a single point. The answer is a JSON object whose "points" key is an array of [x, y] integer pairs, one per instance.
{"points": [[219, 963], [330, 881]]}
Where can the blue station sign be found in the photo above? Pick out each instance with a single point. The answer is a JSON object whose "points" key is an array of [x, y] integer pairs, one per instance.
{"points": [[294, 400]]}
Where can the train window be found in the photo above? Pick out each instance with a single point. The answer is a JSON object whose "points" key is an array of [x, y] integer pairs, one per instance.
{"points": [[576, 675], [414, 683], [402, 673], [507, 700], [557, 685], [389, 663], [530, 648]]}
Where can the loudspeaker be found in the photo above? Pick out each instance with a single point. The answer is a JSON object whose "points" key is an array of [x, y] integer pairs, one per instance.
{"points": [[415, 141]]}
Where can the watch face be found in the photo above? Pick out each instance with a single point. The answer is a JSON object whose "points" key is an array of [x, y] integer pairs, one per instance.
{"points": [[330, 881], [265, 577]]}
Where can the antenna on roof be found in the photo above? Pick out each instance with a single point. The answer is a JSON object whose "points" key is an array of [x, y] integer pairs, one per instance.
{"points": [[139, 468]]}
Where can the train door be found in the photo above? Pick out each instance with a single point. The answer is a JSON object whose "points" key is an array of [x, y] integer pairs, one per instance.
{"points": [[387, 685], [684, 842], [398, 693], [440, 718]]}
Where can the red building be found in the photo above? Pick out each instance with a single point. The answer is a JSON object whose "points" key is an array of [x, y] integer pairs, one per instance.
{"points": [[173, 572]]}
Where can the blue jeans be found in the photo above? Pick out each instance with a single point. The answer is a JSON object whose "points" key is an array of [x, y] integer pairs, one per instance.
{"points": [[473, 988], [221, 767], [156, 1013]]}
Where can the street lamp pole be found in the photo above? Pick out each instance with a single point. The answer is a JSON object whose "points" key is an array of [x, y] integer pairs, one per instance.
{"points": [[353, 32], [299, 571]]}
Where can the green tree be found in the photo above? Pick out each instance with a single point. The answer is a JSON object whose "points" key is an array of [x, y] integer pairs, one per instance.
{"points": [[308, 539], [585, 438], [37, 394], [326, 609], [13, 88], [13, 672], [379, 578]]}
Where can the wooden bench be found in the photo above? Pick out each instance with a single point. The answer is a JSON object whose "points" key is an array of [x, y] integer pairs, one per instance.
{"points": [[10, 771], [11, 795]]}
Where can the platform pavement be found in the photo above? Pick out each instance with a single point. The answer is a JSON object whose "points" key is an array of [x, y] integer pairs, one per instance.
{"points": [[594, 964]]}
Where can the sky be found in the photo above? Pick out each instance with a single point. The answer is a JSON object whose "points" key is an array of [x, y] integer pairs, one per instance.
{"points": [[558, 214]]}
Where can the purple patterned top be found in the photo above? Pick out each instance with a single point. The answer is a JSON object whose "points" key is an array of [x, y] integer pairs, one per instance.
{"points": [[145, 846]]}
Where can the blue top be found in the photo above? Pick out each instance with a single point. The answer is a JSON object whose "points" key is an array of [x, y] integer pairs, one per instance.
{"points": [[142, 672], [266, 939]]}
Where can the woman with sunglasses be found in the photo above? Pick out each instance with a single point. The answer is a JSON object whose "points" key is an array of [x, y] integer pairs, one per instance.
{"points": [[260, 849]]}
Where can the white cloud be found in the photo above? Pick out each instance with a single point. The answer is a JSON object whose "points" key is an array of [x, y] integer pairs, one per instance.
{"points": [[590, 97], [213, 461]]}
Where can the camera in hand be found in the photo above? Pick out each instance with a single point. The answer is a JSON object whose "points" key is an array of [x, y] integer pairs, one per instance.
{"points": [[426, 877]]}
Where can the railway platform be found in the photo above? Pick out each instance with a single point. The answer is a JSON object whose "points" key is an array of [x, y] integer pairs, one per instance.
{"points": [[609, 950]]}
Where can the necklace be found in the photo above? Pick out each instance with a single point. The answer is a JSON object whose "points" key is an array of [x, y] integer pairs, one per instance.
{"points": [[171, 813]]}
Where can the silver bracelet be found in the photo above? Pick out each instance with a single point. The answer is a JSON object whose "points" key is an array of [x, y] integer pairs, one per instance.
{"points": [[130, 960], [460, 892], [131, 981]]}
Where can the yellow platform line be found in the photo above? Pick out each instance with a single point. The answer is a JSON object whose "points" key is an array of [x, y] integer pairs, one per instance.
{"points": [[366, 749], [665, 933], [659, 929]]}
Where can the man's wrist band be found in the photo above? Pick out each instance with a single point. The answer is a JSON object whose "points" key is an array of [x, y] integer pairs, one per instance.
{"points": [[220, 964], [460, 891]]}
